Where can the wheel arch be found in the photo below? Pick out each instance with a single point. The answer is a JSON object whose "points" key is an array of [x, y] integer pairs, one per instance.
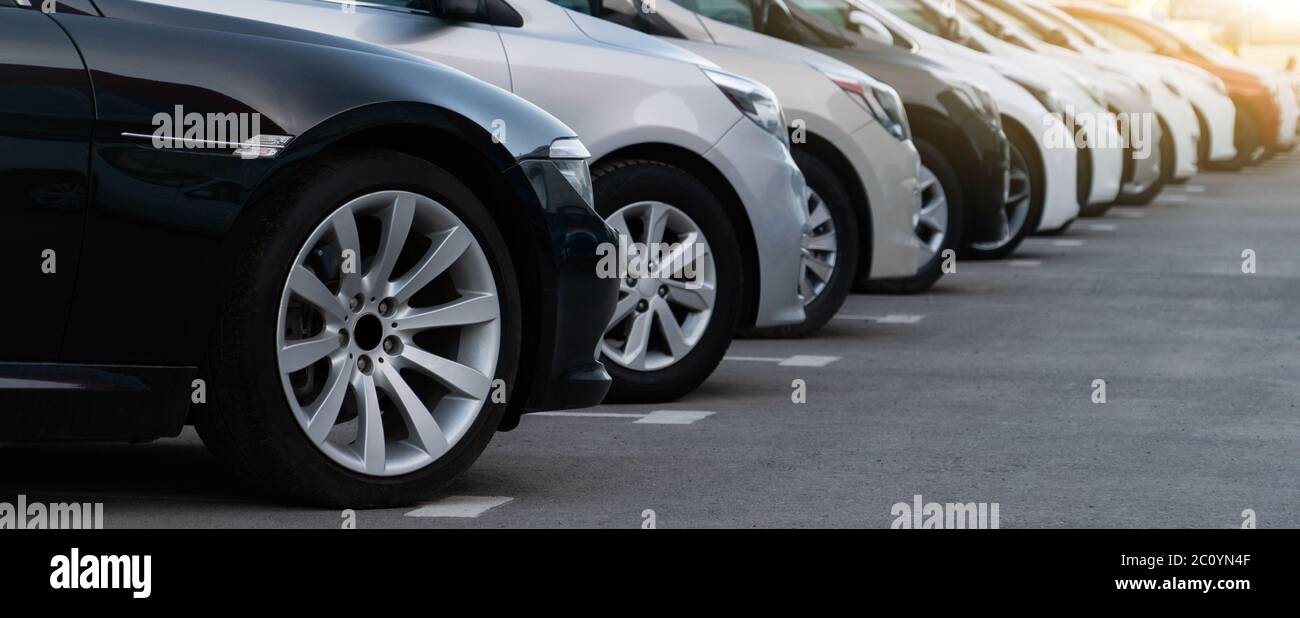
{"points": [[700, 168], [825, 151]]}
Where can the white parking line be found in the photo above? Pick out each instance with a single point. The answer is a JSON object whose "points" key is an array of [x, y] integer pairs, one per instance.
{"points": [[459, 506], [1128, 214], [657, 417], [1067, 243], [893, 318], [1103, 227], [1025, 263], [798, 360], [674, 417], [1174, 199], [1194, 188]]}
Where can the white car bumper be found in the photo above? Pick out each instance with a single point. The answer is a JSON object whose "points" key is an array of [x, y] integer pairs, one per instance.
{"points": [[1061, 175], [771, 187], [888, 169], [1220, 120]]}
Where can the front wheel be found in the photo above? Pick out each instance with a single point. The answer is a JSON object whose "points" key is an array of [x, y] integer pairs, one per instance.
{"points": [[938, 225], [679, 303], [374, 308], [831, 246], [1024, 208]]}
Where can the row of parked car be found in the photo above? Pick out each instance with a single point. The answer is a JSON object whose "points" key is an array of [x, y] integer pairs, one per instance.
{"points": [[408, 250]]}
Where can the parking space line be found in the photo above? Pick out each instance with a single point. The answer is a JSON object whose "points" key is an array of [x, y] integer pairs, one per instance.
{"points": [[673, 417], [893, 318], [1067, 243], [798, 360], [1194, 188], [1025, 263], [657, 417], [1103, 227], [459, 506], [1174, 199]]}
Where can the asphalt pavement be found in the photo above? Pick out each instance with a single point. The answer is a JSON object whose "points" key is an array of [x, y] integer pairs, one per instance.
{"points": [[984, 390]]}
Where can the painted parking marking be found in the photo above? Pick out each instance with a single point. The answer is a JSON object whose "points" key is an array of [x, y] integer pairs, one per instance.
{"points": [[1067, 243], [673, 417], [1127, 213], [893, 318], [460, 506], [1025, 263], [798, 360], [657, 417], [1103, 227], [1174, 199], [1194, 188]]}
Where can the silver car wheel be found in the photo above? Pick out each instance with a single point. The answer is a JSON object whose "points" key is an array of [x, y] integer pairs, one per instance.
{"points": [[664, 312], [931, 221], [819, 250], [389, 332]]}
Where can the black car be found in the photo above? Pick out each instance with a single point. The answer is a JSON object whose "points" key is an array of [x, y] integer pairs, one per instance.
{"points": [[956, 127], [347, 267]]}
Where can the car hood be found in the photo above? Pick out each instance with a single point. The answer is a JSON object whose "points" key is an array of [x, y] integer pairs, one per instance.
{"points": [[613, 34]]}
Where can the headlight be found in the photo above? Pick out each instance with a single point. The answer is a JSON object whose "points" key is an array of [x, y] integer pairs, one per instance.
{"points": [[881, 101], [753, 99], [570, 158]]}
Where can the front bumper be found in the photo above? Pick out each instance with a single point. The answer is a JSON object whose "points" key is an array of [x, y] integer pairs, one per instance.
{"points": [[575, 303], [1107, 156], [772, 190], [986, 187], [888, 169], [1220, 117], [1183, 126], [1061, 176], [1142, 165]]}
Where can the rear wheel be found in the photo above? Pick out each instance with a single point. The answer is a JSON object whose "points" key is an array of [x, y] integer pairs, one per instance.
{"points": [[354, 361], [831, 247], [1248, 142], [938, 225], [679, 305]]}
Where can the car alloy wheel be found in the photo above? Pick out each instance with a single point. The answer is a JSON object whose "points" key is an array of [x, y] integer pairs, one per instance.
{"points": [[931, 221], [664, 308], [1019, 202], [819, 249], [389, 332]]}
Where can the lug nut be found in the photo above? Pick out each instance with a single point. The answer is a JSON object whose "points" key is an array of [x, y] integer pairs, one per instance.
{"points": [[663, 290], [391, 344], [343, 338], [355, 303], [642, 306], [363, 364]]}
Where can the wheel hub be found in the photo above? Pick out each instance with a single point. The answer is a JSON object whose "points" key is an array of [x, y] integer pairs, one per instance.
{"points": [[369, 331]]}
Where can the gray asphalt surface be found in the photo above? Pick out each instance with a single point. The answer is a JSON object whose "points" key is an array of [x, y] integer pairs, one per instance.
{"points": [[986, 397]]}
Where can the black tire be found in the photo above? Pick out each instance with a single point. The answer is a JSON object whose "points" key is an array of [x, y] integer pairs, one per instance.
{"points": [[619, 183], [1020, 156], [1168, 163], [827, 186], [929, 274], [247, 423]]}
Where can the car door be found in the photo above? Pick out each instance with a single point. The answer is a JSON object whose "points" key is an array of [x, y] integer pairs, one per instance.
{"points": [[46, 119]]}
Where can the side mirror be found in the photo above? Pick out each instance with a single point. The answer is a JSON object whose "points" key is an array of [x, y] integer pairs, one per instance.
{"points": [[458, 10], [870, 27]]}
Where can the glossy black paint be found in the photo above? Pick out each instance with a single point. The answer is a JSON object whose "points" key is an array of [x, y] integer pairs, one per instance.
{"points": [[157, 228], [928, 89]]}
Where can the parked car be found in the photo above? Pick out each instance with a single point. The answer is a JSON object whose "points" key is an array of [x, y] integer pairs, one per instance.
{"points": [[1071, 95], [1064, 171], [1262, 123], [683, 154], [849, 134], [1208, 95], [1125, 95], [311, 248], [1180, 128], [955, 124]]}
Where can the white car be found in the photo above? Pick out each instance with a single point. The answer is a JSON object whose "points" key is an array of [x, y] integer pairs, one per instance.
{"points": [[1179, 128], [685, 156], [1099, 166], [1215, 111], [1049, 171], [1101, 170], [850, 136]]}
